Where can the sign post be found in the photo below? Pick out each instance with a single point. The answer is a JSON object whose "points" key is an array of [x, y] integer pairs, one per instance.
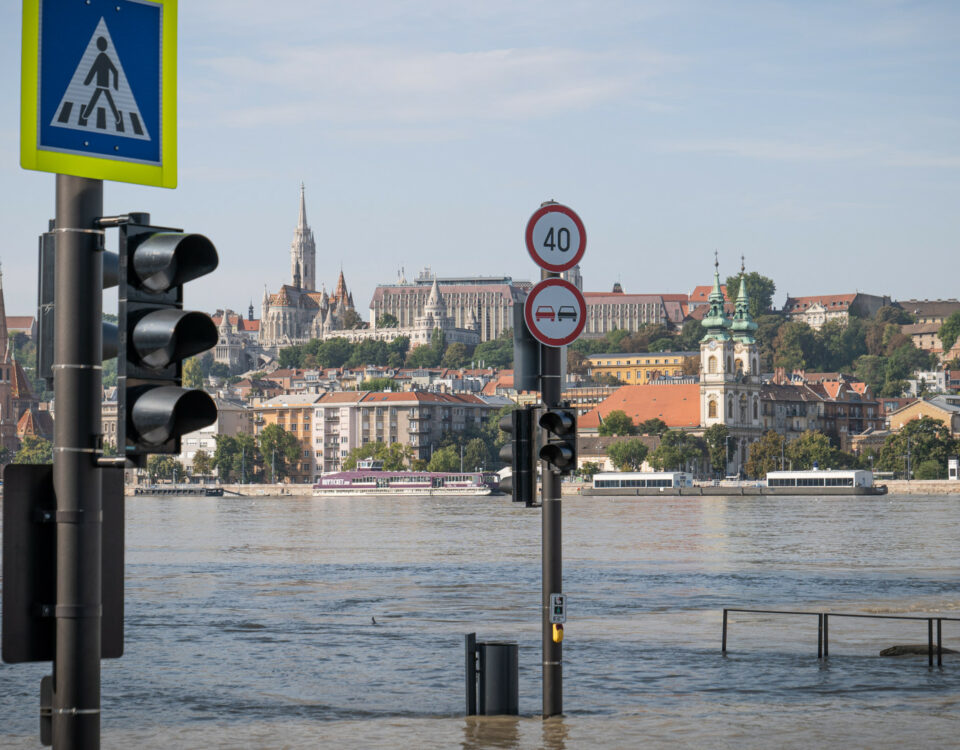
{"points": [[555, 312], [98, 102]]}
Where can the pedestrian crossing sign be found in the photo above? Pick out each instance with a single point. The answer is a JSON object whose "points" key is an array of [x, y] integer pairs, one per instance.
{"points": [[99, 82]]}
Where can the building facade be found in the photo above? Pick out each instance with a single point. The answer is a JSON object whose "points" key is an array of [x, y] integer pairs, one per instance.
{"points": [[642, 367], [818, 309]]}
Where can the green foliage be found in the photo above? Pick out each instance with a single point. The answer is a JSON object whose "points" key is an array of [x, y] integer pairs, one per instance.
{"points": [[376, 384], [796, 347], [34, 450], [590, 468], [387, 321], [690, 335], [351, 319], [930, 469], [617, 423], [475, 454], [765, 455], [768, 327], [815, 447], [238, 459], [628, 455], [497, 352], [202, 463], [445, 459], [925, 438], [716, 439], [950, 331], [109, 374], [423, 356], [395, 456], [219, 370], [678, 451], [760, 288], [892, 314], [280, 450], [192, 373], [456, 356], [654, 426], [164, 467]]}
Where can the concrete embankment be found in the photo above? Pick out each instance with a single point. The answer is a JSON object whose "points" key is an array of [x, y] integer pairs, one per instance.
{"points": [[922, 487]]}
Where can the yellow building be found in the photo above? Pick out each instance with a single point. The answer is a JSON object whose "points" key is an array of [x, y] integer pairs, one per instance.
{"points": [[293, 413], [641, 368], [944, 409]]}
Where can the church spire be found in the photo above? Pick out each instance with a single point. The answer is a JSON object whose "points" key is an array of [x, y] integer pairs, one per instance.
{"points": [[743, 324], [716, 321], [302, 221]]}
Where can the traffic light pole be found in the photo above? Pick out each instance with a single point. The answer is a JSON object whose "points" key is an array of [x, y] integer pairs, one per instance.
{"points": [[551, 553], [77, 381]]}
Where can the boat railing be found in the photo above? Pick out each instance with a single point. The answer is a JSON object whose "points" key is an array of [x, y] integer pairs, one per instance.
{"points": [[823, 628]]}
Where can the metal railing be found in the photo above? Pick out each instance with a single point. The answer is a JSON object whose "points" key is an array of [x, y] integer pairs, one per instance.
{"points": [[823, 628]]}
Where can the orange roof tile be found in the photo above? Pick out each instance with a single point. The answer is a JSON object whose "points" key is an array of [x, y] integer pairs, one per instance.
{"points": [[677, 405]]}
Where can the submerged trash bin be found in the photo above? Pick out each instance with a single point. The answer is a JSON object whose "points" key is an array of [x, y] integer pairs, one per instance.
{"points": [[492, 677]]}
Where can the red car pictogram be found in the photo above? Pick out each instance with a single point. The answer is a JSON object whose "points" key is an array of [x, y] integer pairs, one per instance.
{"points": [[545, 312]]}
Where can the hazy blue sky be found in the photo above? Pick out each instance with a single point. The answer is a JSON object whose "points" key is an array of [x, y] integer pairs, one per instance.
{"points": [[820, 139]]}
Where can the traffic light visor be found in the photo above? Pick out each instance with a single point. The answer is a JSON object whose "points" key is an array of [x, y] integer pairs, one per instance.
{"points": [[161, 413], [168, 259]]}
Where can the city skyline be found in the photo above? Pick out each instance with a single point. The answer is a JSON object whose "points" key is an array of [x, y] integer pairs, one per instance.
{"points": [[819, 141]]}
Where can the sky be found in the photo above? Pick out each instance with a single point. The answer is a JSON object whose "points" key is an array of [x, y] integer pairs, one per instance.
{"points": [[820, 140]]}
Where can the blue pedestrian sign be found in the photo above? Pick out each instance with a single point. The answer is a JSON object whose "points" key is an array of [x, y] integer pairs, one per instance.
{"points": [[99, 89]]}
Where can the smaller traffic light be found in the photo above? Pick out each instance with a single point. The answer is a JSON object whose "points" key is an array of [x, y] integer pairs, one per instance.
{"points": [[520, 454], [560, 447], [156, 335]]}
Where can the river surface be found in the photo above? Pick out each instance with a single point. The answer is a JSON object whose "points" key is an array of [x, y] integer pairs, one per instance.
{"points": [[249, 623]]}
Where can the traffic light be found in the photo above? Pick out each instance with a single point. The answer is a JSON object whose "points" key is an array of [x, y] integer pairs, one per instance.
{"points": [[156, 335], [560, 447], [519, 452]]}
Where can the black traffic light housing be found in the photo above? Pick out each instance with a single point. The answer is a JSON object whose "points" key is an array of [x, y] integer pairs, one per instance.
{"points": [[155, 335], [560, 445], [520, 453]]}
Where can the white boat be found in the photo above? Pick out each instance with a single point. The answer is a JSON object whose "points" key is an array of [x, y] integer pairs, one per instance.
{"points": [[369, 478]]}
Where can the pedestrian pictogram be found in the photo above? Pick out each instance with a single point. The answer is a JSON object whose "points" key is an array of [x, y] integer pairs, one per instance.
{"points": [[99, 97]]}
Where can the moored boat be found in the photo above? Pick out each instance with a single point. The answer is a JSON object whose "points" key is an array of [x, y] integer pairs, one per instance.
{"points": [[369, 478]]}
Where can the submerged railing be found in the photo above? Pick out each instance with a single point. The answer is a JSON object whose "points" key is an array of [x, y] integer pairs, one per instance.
{"points": [[823, 628]]}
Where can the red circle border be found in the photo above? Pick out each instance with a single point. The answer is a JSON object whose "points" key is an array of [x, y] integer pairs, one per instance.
{"points": [[528, 313], [528, 236]]}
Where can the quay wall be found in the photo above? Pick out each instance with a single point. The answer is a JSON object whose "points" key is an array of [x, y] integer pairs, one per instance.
{"points": [[922, 486]]}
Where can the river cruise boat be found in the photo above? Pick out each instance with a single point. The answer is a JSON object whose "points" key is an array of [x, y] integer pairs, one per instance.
{"points": [[369, 478], [817, 479], [642, 479]]}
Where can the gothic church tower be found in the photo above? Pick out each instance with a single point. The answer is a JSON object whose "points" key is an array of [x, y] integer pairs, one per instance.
{"points": [[303, 252]]}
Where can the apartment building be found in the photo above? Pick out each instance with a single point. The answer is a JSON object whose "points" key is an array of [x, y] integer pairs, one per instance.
{"points": [[295, 414], [640, 368]]}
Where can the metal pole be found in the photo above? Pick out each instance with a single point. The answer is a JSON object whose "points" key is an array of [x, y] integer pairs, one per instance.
{"points": [[826, 636], [820, 636], [552, 551], [930, 642], [77, 378], [723, 639], [939, 643]]}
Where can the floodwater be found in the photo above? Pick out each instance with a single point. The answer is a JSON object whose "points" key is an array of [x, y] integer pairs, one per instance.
{"points": [[249, 623]]}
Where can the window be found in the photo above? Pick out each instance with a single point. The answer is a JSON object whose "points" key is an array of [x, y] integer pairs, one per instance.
{"points": [[756, 408], [712, 364], [712, 410], [730, 409]]}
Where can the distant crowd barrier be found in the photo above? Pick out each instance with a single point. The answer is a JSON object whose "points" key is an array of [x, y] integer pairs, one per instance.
{"points": [[823, 628]]}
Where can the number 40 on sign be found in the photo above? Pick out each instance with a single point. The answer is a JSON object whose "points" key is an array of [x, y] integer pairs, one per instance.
{"points": [[556, 239]]}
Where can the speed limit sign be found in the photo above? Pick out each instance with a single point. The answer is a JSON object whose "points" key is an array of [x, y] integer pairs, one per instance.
{"points": [[556, 238]]}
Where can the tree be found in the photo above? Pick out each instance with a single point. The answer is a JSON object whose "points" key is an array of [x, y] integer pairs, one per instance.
{"points": [[192, 373], [34, 450], [893, 314], [280, 448], [395, 456], [386, 320], [925, 439], [456, 356], [813, 447], [628, 455], [202, 463], [950, 331], [616, 423], [219, 370], [654, 426], [765, 455], [690, 335], [590, 468], [475, 454], [445, 459], [497, 352], [796, 346], [237, 458], [423, 356], [376, 384], [679, 451], [164, 467], [930, 469], [716, 439], [768, 327], [351, 319], [760, 288]]}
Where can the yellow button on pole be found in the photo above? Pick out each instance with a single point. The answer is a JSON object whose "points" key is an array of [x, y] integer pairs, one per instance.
{"points": [[557, 633]]}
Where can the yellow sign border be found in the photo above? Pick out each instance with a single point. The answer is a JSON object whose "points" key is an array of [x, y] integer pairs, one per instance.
{"points": [[95, 167]]}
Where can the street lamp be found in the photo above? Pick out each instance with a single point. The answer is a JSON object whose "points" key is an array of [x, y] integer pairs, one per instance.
{"points": [[726, 453]]}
